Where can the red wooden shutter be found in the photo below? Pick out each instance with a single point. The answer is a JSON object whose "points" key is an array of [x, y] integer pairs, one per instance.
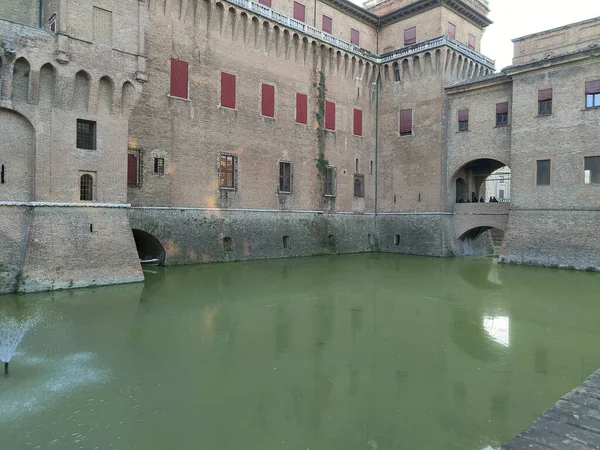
{"points": [[299, 12], [329, 115], [592, 87], [501, 108], [227, 90], [545, 94], [451, 30], [301, 108], [179, 78], [132, 170], [463, 115], [410, 36], [354, 37], [327, 24], [406, 121], [471, 41], [268, 100], [266, 3], [357, 122]]}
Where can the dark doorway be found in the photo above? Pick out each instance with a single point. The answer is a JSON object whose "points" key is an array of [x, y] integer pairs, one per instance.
{"points": [[149, 249]]}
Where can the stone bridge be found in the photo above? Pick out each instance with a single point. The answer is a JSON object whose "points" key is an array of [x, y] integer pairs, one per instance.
{"points": [[480, 216]]}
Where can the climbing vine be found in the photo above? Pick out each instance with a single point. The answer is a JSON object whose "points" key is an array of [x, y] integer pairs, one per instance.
{"points": [[322, 163], [4, 50]]}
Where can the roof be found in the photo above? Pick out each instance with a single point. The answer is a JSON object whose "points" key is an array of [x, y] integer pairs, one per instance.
{"points": [[482, 79]]}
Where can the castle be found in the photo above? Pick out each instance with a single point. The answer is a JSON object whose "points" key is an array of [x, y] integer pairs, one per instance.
{"points": [[190, 131]]}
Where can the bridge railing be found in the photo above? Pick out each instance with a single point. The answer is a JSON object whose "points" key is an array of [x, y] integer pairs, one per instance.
{"points": [[482, 208]]}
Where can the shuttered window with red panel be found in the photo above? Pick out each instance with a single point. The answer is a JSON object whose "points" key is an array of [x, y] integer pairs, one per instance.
{"points": [[406, 122], [299, 12], [471, 41], [301, 108], [463, 120], [132, 170], [451, 30], [545, 102], [327, 24], [357, 122], [227, 90], [266, 3], [592, 94], [410, 36], [354, 37], [268, 100], [179, 78], [329, 116]]}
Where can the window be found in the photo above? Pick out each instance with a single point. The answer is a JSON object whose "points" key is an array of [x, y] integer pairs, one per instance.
{"points": [[285, 177], [451, 30], [502, 114], [2, 175], [86, 134], [227, 90], [405, 122], [329, 181], [591, 170], [301, 108], [472, 41], [327, 24], [52, 23], [266, 3], [592, 94], [545, 102], [286, 242], [357, 122], [159, 166], [86, 187], [356, 166], [179, 78], [299, 12], [359, 182], [463, 120], [371, 168], [410, 36], [227, 244], [329, 116], [543, 172], [268, 100], [227, 171], [132, 170], [397, 239], [354, 37]]}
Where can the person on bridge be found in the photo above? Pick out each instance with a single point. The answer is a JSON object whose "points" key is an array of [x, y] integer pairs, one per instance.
{"points": [[473, 197], [481, 200]]}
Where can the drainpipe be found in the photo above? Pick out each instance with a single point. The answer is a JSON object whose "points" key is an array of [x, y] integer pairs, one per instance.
{"points": [[377, 138], [40, 23], [315, 15]]}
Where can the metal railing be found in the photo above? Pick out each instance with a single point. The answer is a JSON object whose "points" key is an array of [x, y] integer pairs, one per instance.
{"points": [[340, 43]]}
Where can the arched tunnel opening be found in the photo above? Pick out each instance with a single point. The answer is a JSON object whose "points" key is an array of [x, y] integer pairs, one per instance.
{"points": [[484, 240], [482, 181], [150, 250]]}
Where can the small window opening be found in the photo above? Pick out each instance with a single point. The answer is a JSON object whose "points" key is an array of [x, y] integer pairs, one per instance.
{"points": [[370, 239], [329, 181], [358, 92], [286, 242], [2, 175], [394, 199], [359, 186], [463, 120], [52, 23], [159, 166], [543, 172], [285, 177], [356, 165], [91, 227], [227, 165], [545, 102], [397, 239], [331, 239], [371, 167], [502, 114], [227, 244]]}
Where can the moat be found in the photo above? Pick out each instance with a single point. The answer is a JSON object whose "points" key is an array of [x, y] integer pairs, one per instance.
{"points": [[372, 351]]}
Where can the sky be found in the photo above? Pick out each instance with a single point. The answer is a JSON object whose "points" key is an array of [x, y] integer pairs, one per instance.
{"points": [[516, 18]]}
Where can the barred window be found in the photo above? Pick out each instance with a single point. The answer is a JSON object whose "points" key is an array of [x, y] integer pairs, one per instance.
{"points": [[227, 179], [86, 187], [86, 134], [329, 181], [285, 177], [159, 166]]}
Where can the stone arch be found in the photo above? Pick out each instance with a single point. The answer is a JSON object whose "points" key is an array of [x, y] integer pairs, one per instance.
{"points": [[81, 91], [47, 85], [461, 190], [474, 173], [149, 248], [128, 95], [105, 95], [17, 156], [396, 70], [20, 80]]}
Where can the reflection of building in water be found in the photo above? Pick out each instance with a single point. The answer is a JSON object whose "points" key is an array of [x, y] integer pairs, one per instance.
{"points": [[498, 185], [498, 327]]}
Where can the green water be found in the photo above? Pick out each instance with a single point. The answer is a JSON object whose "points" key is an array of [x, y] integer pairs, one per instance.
{"points": [[329, 353]]}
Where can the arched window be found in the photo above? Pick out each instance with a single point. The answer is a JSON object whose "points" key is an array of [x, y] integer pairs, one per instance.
{"points": [[86, 187], [358, 186], [461, 191], [132, 170]]}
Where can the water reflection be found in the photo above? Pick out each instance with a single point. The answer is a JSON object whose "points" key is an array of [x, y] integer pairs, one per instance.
{"points": [[356, 352]]}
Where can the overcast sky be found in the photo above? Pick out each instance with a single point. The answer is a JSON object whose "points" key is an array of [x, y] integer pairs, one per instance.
{"points": [[515, 18]]}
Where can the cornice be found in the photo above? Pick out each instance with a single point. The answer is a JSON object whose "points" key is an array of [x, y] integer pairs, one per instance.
{"points": [[593, 51]]}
